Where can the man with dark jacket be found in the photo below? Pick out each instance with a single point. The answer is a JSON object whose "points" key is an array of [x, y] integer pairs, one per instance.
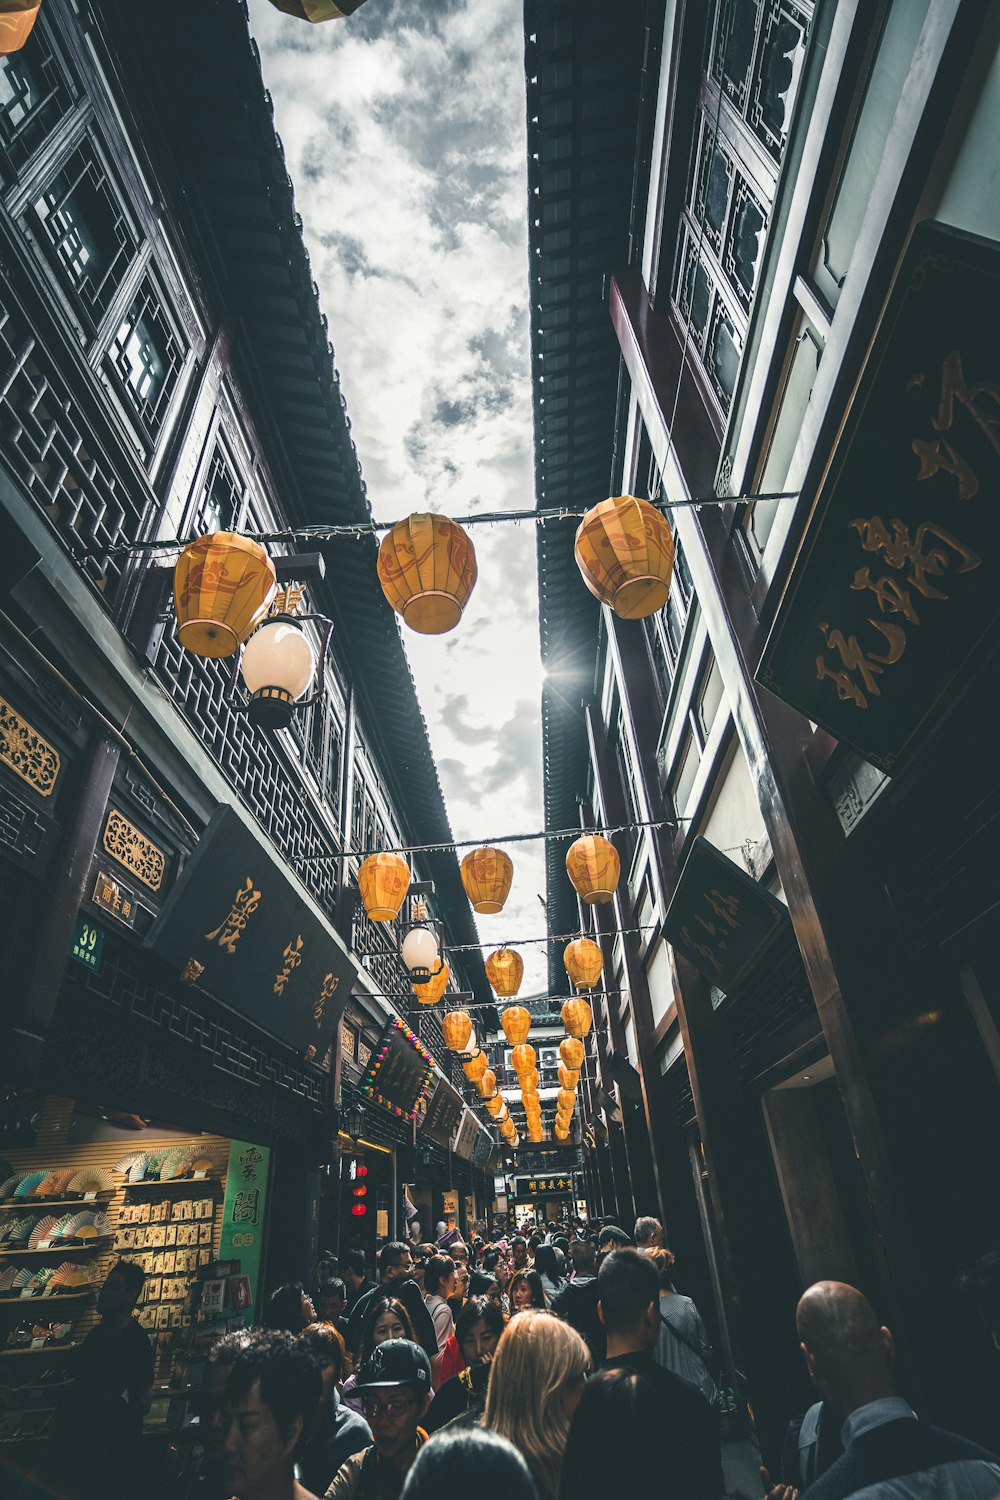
{"points": [[576, 1302], [338, 1431], [395, 1386], [628, 1290], [888, 1450], [395, 1266]]}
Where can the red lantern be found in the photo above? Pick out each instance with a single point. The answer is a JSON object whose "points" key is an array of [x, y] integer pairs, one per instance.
{"points": [[359, 1210]]}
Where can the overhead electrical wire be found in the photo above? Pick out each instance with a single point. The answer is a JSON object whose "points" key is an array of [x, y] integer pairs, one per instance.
{"points": [[361, 529], [510, 838]]}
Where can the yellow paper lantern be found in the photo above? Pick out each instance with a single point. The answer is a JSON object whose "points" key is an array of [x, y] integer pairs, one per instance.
{"points": [[534, 1133], [431, 992], [594, 868], [456, 1028], [566, 1099], [487, 1084], [529, 1081], [523, 1059], [318, 10], [625, 552], [17, 17], [568, 1077], [561, 1133], [584, 962], [383, 881], [427, 569], [223, 588], [496, 1105], [476, 1067], [516, 1023], [487, 875], [505, 970], [572, 1053], [577, 1017]]}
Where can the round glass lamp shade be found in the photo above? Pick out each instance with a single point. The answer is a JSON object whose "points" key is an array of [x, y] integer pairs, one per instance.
{"points": [[505, 970], [572, 1053], [277, 665], [584, 962], [577, 1017], [487, 875], [427, 569], [625, 552], [516, 1023], [223, 588], [420, 954], [593, 866], [383, 881]]}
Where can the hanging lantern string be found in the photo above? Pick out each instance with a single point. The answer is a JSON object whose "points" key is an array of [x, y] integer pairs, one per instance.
{"points": [[565, 937], [372, 528], [508, 838]]}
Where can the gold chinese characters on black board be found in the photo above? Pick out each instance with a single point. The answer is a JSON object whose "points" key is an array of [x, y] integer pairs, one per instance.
{"points": [[719, 918], [894, 595], [236, 925]]}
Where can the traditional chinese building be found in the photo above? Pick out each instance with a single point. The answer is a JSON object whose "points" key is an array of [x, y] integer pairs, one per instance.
{"points": [[777, 296], [167, 371]]}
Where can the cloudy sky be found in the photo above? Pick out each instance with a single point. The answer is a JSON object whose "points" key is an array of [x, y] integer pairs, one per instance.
{"points": [[403, 128]]}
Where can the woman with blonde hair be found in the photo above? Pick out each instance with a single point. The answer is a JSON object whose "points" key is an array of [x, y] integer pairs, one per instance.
{"points": [[538, 1376]]}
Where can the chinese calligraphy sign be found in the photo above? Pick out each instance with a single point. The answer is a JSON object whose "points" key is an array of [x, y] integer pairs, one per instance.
{"points": [[894, 593], [720, 918], [238, 925]]}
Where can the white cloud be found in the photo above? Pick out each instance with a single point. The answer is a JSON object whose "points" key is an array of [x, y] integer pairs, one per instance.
{"points": [[403, 129]]}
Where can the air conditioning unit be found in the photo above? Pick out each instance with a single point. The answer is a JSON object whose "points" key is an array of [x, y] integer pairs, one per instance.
{"points": [[548, 1057]]}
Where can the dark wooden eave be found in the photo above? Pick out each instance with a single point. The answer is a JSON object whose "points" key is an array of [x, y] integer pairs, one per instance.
{"points": [[583, 65], [190, 73]]}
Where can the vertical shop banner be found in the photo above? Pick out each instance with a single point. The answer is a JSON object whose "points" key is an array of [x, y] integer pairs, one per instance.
{"points": [[894, 596], [719, 917], [243, 1212]]}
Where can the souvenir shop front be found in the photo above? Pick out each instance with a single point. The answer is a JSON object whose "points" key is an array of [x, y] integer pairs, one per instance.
{"points": [[85, 1186]]}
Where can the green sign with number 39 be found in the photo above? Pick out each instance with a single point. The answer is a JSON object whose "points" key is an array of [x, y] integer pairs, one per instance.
{"points": [[87, 944]]}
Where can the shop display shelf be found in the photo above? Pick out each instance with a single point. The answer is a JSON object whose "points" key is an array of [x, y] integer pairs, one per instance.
{"points": [[59, 1248], [194, 1185], [27, 1204], [8, 1302]]}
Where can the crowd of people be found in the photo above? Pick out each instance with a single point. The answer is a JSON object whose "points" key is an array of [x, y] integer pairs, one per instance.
{"points": [[559, 1365]]}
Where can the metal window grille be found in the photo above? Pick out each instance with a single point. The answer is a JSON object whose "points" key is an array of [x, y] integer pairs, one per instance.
{"points": [[83, 220], [34, 96], [90, 505], [146, 357]]}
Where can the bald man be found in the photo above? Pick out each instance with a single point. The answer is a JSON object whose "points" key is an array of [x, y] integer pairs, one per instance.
{"points": [[889, 1454]]}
